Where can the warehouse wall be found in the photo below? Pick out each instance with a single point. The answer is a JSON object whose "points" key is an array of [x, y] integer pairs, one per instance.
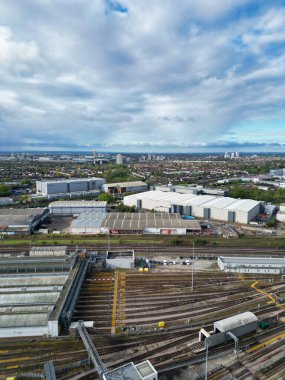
{"points": [[23, 331]]}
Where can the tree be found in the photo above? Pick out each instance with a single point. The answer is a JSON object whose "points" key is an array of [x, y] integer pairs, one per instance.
{"points": [[4, 190], [104, 197]]}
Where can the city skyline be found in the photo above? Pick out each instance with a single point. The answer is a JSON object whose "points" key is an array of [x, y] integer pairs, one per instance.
{"points": [[150, 76]]}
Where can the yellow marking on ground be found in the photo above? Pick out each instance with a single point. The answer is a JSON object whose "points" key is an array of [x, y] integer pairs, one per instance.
{"points": [[271, 298], [263, 344], [122, 300], [14, 360], [114, 311], [12, 367]]}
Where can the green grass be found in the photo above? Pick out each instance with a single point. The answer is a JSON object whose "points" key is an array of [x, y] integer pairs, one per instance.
{"points": [[273, 242]]}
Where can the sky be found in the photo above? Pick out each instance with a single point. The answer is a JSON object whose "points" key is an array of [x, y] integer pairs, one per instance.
{"points": [[151, 75]]}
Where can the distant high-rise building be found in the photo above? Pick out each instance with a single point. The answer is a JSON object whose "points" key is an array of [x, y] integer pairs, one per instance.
{"points": [[237, 154], [119, 159], [94, 153]]}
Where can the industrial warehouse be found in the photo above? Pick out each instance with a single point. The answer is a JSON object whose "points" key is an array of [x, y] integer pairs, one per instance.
{"points": [[69, 186], [21, 221], [33, 293], [265, 265], [200, 206], [124, 187], [76, 207], [134, 223]]}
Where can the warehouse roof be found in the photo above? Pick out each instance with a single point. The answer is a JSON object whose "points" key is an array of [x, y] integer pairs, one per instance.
{"points": [[126, 184], [29, 298], [19, 217], [70, 179], [252, 260], [221, 202], [78, 204], [33, 280], [133, 221], [49, 248], [89, 219], [243, 205], [23, 320], [225, 203], [235, 321]]}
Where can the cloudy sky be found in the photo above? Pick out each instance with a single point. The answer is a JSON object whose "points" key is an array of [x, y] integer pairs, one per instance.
{"points": [[142, 75]]}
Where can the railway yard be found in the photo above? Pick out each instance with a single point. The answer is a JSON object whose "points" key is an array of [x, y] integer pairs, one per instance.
{"points": [[157, 315]]}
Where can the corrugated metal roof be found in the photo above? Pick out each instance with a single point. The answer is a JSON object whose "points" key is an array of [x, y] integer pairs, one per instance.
{"points": [[235, 321], [78, 204], [23, 320], [126, 184], [252, 260], [134, 221], [29, 298], [29, 280]]}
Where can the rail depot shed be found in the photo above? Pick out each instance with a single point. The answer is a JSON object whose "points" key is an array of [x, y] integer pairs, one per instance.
{"points": [[201, 206], [229, 328], [48, 251], [239, 324], [33, 292], [264, 265]]}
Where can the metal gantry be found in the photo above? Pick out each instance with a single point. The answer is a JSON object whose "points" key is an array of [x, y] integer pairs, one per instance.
{"points": [[49, 371], [91, 349], [73, 295]]}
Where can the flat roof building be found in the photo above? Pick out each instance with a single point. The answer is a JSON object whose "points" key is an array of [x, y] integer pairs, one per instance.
{"points": [[21, 221], [33, 292], [48, 251], [130, 223], [131, 371], [201, 206], [124, 187], [68, 186], [120, 259], [76, 207], [264, 265]]}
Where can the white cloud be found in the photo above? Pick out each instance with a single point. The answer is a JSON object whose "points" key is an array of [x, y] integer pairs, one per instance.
{"points": [[170, 73]]}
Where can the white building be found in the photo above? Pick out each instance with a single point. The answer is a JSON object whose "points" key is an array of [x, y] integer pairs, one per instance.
{"points": [[280, 216], [200, 206], [131, 371], [48, 251], [119, 159], [264, 265], [76, 207], [124, 187], [120, 259], [68, 186]]}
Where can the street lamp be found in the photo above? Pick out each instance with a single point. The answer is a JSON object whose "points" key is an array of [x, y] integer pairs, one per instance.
{"points": [[109, 243], [206, 364], [193, 266]]}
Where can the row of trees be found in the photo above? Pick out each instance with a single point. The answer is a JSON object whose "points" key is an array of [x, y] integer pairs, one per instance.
{"points": [[275, 196]]}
